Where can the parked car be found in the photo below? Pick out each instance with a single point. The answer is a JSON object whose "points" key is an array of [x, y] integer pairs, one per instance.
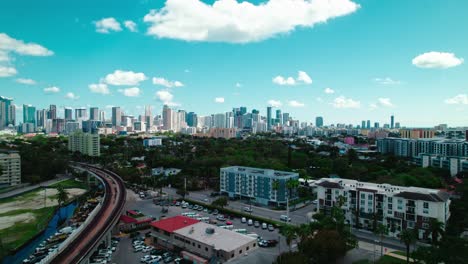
{"points": [[215, 212], [257, 224], [271, 227], [248, 209], [264, 226], [243, 220], [177, 204], [285, 218], [250, 222], [228, 223], [221, 218], [138, 248]]}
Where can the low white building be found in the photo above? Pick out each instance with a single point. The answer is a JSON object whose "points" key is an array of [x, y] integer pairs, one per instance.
{"points": [[366, 204]]}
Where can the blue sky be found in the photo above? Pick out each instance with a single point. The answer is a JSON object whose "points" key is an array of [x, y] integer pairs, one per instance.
{"points": [[377, 57]]}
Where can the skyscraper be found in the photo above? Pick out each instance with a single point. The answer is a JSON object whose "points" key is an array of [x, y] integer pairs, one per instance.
{"points": [[285, 119], [243, 110], [363, 124], [52, 112], [167, 117], [41, 117], [279, 117], [319, 121], [392, 122], [219, 120], [191, 119], [93, 113], [7, 112], [68, 114], [81, 114], [368, 124], [269, 117], [116, 116], [29, 114]]}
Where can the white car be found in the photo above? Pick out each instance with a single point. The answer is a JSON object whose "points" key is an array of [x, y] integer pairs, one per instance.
{"points": [[264, 226], [248, 209], [250, 222], [145, 258], [138, 248], [147, 249], [244, 220]]}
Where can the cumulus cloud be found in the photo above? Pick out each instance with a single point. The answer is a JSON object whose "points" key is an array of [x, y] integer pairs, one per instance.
{"points": [[386, 81], [274, 103], [166, 97], [385, 102], [329, 91], [302, 78], [131, 92], [119, 77], [130, 25], [294, 103], [343, 102], [7, 71], [458, 99], [232, 21], [52, 89], [4, 56], [9, 44], [166, 83], [219, 100], [100, 88], [437, 60], [71, 96], [106, 25]]}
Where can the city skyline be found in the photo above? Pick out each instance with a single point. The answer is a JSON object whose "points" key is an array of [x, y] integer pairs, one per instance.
{"points": [[122, 56]]}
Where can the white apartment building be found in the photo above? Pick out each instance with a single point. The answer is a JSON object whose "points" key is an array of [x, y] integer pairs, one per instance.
{"points": [[10, 174], [398, 208], [87, 144]]}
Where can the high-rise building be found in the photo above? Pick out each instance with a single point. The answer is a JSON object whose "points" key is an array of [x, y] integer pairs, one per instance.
{"points": [[85, 143], [10, 174], [285, 119], [68, 114], [167, 114], [41, 117], [363, 124], [279, 117], [116, 116], [243, 110], [7, 112], [219, 120], [102, 115], [319, 121], [94, 113], [269, 117], [191, 119], [255, 111], [81, 114], [148, 117], [29, 114], [376, 125], [58, 125], [392, 122], [52, 112], [368, 124]]}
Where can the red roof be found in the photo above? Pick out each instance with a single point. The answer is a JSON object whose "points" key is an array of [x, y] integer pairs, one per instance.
{"points": [[174, 223], [127, 219], [132, 212]]}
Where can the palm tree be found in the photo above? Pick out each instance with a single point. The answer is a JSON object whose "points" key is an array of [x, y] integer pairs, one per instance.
{"points": [[381, 230], [289, 232], [436, 229], [292, 184], [275, 185], [408, 237], [62, 195]]}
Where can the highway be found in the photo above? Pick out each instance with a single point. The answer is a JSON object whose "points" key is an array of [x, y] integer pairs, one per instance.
{"points": [[112, 207]]}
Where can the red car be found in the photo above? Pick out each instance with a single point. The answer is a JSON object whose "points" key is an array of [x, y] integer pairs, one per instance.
{"points": [[228, 223]]}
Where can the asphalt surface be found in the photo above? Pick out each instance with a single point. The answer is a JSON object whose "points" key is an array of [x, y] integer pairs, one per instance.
{"points": [[32, 187]]}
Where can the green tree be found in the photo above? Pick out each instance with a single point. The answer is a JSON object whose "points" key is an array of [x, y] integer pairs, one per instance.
{"points": [[62, 195], [289, 232], [275, 185], [292, 185], [381, 231], [436, 229], [220, 202], [408, 237]]}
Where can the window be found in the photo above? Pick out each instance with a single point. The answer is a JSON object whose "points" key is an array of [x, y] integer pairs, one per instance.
{"points": [[363, 196], [369, 196], [255, 244], [426, 205], [389, 212], [206, 249], [240, 251], [199, 246], [247, 248], [193, 243], [400, 201], [390, 207], [425, 211]]}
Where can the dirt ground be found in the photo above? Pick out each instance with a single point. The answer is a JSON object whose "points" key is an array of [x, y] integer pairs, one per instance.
{"points": [[7, 221]]}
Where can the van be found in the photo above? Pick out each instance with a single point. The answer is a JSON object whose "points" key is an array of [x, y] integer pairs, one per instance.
{"points": [[285, 218], [250, 222]]}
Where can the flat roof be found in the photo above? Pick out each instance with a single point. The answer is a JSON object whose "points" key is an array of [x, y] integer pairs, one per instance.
{"points": [[266, 172], [174, 223], [222, 239]]}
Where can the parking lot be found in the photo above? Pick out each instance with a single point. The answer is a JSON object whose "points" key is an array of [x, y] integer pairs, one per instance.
{"points": [[125, 254]]}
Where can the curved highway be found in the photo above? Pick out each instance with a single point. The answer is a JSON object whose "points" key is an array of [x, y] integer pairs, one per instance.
{"points": [[102, 223]]}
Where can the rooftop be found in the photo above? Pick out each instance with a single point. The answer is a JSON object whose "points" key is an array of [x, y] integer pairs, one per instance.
{"points": [[267, 172], [174, 223], [222, 239]]}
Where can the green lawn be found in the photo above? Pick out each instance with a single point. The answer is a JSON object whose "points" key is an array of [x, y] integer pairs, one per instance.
{"points": [[70, 183], [383, 260], [18, 234]]}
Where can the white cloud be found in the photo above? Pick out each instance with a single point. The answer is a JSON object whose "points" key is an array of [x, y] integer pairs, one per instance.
{"points": [[240, 22], [302, 78], [373, 106], [319, 99], [52, 89], [343, 102], [458, 99], [9, 44], [166, 97], [71, 96], [166, 83], [130, 25], [385, 102], [131, 92], [238, 85], [107, 25], [7, 71], [219, 100], [437, 60], [4, 56], [274, 103], [119, 77], [100, 88], [329, 91], [26, 81], [294, 103], [386, 81]]}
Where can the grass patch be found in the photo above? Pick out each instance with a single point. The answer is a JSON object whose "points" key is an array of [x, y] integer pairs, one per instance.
{"points": [[24, 196], [401, 253], [18, 234], [390, 260], [70, 183]]}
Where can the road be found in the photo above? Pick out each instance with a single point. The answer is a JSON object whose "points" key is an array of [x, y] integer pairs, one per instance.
{"points": [[108, 215], [32, 187]]}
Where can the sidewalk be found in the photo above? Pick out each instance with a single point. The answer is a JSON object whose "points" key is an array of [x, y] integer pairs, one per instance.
{"points": [[393, 255], [32, 187]]}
